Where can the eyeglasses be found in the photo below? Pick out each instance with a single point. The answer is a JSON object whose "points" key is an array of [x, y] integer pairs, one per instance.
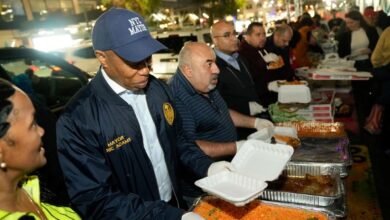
{"points": [[228, 34]]}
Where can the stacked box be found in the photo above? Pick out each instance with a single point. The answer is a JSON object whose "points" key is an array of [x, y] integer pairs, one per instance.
{"points": [[321, 108]]}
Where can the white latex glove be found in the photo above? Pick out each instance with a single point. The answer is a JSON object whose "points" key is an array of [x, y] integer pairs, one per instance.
{"points": [[256, 108], [274, 86], [239, 145], [270, 57], [263, 123], [264, 134], [219, 166], [191, 216]]}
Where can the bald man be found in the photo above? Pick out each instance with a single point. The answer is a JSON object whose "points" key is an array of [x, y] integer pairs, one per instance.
{"points": [[205, 117], [278, 43]]}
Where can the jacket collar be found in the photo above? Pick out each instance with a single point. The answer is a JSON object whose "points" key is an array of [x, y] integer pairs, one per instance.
{"points": [[102, 89]]}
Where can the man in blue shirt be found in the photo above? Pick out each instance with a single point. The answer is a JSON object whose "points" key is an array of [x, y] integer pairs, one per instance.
{"points": [[205, 116]]}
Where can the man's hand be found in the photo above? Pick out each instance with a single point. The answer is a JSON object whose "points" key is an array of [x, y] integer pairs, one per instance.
{"points": [[256, 108], [264, 134], [217, 167], [270, 57], [262, 123], [191, 216]]}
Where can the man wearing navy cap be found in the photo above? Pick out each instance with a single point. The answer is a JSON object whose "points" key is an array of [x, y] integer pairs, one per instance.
{"points": [[118, 138]]}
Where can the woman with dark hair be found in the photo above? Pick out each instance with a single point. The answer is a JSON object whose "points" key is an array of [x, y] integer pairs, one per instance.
{"points": [[359, 41], [357, 44], [21, 152]]}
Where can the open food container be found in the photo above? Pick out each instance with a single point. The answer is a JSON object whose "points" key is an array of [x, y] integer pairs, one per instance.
{"points": [[255, 163]]}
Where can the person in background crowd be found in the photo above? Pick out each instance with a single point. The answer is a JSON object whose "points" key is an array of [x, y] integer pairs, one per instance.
{"points": [[206, 118], [301, 49], [119, 139], [280, 67], [318, 22], [252, 49], [357, 44], [22, 152], [334, 23], [370, 16], [381, 73], [235, 83]]}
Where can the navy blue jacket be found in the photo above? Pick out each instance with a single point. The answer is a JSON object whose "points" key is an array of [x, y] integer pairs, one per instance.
{"points": [[107, 171]]}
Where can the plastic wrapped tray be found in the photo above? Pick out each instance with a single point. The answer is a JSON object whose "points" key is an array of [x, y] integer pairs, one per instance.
{"points": [[316, 129], [300, 171]]}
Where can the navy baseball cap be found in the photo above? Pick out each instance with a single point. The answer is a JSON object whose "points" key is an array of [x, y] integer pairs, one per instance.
{"points": [[126, 33]]}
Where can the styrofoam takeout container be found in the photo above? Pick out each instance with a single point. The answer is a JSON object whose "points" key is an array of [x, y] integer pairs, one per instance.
{"points": [[255, 163], [294, 94], [264, 134]]}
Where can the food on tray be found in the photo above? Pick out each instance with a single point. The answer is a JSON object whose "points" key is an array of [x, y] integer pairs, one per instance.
{"points": [[294, 82], [293, 142], [322, 185], [316, 129], [213, 208]]}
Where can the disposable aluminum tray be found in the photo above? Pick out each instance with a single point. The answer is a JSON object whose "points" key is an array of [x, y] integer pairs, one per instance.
{"points": [[327, 152], [302, 198], [323, 143], [332, 212]]}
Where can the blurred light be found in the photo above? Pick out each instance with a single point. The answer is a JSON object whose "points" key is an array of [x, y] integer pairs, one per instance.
{"points": [[207, 16], [229, 18], [51, 42]]}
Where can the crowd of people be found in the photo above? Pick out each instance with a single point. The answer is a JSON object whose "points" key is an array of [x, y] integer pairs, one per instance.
{"points": [[131, 146]]}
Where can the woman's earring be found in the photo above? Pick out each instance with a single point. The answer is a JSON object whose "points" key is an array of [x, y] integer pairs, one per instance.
{"points": [[3, 165]]}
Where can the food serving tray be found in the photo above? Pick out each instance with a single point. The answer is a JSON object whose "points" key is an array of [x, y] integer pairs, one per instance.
{"points": [[316, 129], [322, 143], [335, 189], [282, 211]]}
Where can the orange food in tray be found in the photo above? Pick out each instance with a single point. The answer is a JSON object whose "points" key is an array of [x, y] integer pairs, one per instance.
{"points": [[213, 208]]}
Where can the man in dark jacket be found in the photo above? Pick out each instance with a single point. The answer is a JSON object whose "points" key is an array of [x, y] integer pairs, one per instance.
{"points": [[119, 137], [252, 49], [279, 68], [235, 83]]}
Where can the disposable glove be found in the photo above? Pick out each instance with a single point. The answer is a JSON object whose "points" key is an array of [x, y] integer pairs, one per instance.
{"points": [[270, 57], [274, 85], [264, 134], [239, 145], [219, 166], [263, 123], [191, 216], [256, 108]]}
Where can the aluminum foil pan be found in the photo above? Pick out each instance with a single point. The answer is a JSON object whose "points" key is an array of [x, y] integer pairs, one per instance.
{"points": [[327, 212], [308, 199], [332, 152]]}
